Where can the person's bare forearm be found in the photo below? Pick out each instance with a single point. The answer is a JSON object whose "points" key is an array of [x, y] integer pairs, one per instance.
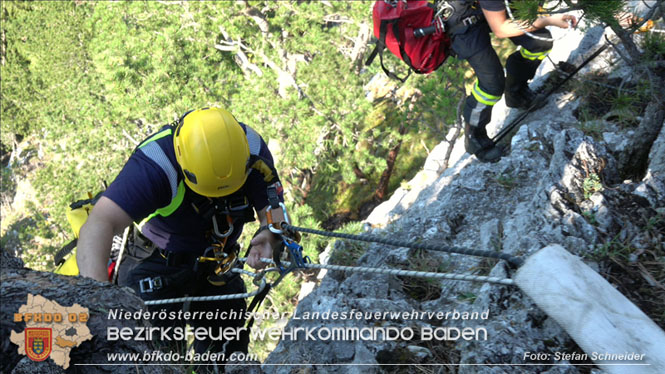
{"points": [[503, 27], [94, 247], [264, 242], [96, 238]]}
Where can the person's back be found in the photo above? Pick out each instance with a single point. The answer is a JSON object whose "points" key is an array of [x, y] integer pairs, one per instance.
{"points": [[191, 187], [473, 44]]}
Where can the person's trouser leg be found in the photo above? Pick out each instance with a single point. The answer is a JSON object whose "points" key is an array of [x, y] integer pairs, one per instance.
{"points": [[231, 313], [521, 67], [478, 106], [153, 279]]}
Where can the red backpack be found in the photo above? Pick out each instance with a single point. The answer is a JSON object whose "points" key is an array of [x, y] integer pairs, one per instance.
{"points": [[411, 32]]}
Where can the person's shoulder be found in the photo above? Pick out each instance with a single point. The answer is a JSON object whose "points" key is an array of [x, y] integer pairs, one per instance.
{"points": [[166, 131], [492, 5]]}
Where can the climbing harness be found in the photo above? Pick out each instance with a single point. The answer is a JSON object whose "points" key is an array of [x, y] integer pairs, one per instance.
{"points": [[261, 286], [506, 130], [512, 18]]}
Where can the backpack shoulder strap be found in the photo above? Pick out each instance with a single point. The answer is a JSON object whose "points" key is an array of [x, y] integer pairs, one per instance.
{"points": [[381, 46]]}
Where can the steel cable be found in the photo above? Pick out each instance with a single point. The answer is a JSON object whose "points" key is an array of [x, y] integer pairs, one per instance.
{"points": [[515, 261]]}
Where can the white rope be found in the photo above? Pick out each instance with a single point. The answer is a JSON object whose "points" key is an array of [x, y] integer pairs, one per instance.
{"points": [[512, 18], [359, 269], [215, 297], [123, 244], [404, 273], [413, 273]]}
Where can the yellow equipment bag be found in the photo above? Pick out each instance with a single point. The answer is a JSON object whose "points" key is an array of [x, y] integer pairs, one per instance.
{"points": [[65, 258], [78, 213], [69, 266]]}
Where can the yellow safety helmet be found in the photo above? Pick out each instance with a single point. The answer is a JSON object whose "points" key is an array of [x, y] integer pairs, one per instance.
{"points": [[212, 150]]}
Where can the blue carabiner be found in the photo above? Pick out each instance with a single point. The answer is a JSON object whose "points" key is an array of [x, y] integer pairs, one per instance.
{"points": [[295, 250]]}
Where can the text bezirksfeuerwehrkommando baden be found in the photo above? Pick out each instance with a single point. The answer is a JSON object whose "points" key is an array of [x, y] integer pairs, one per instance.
{"points": [[317, 333]]}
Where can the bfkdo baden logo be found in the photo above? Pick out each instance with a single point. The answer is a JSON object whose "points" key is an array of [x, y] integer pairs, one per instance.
{"points": [[51, 330], [38, 343]]}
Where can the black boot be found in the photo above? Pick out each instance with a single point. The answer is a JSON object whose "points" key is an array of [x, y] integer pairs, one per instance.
{"points": [[476, 142], [520, 96]]}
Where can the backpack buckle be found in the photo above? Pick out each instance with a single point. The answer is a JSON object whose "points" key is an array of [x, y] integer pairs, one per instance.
{"points": [[147, 285], [470, 20]]}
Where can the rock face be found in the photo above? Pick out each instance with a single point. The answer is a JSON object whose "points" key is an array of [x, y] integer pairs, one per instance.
{"points": [[556, 185], [17, 282]]}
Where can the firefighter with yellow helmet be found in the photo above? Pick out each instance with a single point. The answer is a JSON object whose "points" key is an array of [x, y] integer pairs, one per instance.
{"points": [[190, 188]]}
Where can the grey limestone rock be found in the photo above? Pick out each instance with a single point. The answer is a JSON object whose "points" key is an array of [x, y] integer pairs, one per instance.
{"points": [[542, 192]]}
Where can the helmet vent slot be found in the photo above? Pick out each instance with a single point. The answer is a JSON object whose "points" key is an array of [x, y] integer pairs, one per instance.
{"points": [[190, 176]]}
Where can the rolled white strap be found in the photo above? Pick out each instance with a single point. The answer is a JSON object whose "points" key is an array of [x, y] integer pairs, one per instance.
{"points": [[599, 318]]}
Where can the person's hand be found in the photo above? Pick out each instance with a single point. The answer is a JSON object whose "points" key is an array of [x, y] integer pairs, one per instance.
{"points": [[262, 245], [562, 20]]}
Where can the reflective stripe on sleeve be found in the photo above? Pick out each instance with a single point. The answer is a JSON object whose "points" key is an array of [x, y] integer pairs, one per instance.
{"points": [[483, 97], [533, 55]]}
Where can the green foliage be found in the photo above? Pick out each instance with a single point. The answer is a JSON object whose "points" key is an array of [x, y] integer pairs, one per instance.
{"points": [[348, 253], [506, 181], [591, 185], [590, 217], [596, 11], [615, 100], [527, 10], [614, 249], [424, 289], [468, 297], [601, 11], [631, 258], [654, 46], [589, 127]]}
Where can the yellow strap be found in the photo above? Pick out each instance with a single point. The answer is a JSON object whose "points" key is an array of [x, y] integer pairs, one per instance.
{"points": [[159, 135], [169, 209]]}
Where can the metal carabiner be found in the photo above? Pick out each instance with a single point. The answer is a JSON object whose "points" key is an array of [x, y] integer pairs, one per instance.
{"points": [[444, 10], [216, 227], [271, 227], [295, 252]]}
